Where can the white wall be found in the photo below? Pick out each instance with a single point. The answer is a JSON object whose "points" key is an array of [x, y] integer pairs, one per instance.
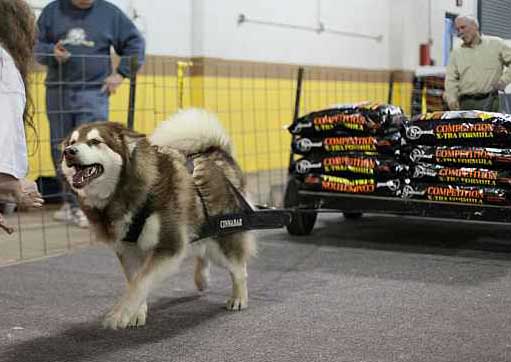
{"points": [[209, 28], [404, 25], [166, 24], [439, 8], [224, 38], [416, 21]]}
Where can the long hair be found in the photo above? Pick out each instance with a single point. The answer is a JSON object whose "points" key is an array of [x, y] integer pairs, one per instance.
{"points": [[17, 35]]}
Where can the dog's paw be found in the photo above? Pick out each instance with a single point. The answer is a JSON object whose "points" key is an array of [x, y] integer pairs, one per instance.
{"points": [[236, 304], [139, 318], [122, 315]]}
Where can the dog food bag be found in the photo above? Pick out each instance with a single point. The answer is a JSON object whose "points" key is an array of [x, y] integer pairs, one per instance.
{"points": [[472, 128], [460, 175], [367, 186], [362, 118], [492, 158], [473, 116], [370, 145], [349, 165], [459, 194]]}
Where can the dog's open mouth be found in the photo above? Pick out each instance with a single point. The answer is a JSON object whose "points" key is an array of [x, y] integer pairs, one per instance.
{"points": [[85, 174]]}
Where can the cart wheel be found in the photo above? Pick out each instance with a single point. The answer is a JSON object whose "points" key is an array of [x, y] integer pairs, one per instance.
{"points": [[352, 215], [302, 223]]}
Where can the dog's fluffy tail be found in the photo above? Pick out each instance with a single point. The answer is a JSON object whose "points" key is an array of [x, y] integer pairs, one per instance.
{"points": [[190, 131]]}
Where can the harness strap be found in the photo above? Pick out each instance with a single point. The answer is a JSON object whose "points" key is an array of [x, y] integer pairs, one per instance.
{"points": [[138, 221], [190, 166], [212, 225]]}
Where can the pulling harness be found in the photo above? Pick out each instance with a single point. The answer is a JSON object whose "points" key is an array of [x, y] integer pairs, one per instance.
{"points": [[247, 218]]}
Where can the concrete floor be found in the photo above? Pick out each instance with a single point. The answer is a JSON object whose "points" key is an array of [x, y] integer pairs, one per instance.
{"points": [[374, 290], [37, 235]]}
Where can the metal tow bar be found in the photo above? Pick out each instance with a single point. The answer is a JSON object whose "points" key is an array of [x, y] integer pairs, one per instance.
{"points": [[219, 225], [248, 218]]}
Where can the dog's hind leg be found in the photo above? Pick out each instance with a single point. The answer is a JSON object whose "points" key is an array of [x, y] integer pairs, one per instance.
{"points": [[239, 297], [232, 252], [201, 276]]}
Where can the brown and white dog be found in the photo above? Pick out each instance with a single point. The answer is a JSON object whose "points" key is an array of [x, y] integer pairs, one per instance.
{"points": [[126, 182]]}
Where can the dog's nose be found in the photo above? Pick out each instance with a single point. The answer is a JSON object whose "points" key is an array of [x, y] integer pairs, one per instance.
{"points": [[70, 152]]}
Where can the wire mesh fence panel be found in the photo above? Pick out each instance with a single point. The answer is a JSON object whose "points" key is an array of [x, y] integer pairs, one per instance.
{"points": [[64, 98], [254, 102]]}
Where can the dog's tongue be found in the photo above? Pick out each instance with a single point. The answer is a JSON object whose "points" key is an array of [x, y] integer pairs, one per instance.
{"points": [[81, 175]]}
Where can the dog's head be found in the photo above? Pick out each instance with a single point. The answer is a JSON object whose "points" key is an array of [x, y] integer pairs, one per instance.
{"points": [[93, 157]]}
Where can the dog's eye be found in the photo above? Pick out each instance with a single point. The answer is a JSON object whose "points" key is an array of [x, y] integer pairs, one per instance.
{"points": [[93, 142]]}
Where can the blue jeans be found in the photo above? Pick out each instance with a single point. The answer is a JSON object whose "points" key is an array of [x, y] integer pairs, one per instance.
{"points": [[67, 108]]}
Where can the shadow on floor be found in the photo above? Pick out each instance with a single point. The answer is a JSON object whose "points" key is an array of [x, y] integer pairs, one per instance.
{"points": [[80, 342], [411, 235]]}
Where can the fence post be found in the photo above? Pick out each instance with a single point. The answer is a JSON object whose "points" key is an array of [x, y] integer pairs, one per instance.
{"points": [[181, 68], [133, 90], [298, 94], [391, 87]]}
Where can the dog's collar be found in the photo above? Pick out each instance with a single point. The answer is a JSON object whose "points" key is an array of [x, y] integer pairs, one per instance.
{"points": [[138, 221]]}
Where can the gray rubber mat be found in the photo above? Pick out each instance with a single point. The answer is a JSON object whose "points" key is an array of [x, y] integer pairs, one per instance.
{"points": [[376, 289]]}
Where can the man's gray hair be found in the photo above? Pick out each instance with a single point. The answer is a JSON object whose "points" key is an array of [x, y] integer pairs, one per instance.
{"points": [[469, 19]]}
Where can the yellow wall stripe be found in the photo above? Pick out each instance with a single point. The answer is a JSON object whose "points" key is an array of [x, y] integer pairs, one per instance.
{"points": [[254, 110]]}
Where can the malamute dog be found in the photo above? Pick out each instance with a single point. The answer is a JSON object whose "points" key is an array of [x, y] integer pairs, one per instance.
{"points": [[147, 197]]}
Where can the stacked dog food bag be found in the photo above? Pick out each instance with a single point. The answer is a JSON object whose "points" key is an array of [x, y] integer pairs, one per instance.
{"points": [[349, 149], [459, 156]]}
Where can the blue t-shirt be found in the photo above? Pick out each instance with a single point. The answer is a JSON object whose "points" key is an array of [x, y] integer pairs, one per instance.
{"points": [[87, 35]]}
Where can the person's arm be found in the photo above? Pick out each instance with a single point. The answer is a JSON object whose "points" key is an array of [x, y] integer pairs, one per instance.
{"points": [[44, 46], [452, 79], [8, 187], [505, 58], [128, 42]]}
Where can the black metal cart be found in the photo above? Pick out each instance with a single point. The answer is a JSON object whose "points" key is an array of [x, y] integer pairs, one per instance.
{"points": [[305, 205]]}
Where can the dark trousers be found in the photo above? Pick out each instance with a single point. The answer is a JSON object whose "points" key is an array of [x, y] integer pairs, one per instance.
{"points": [[67, 108], [488, 104]]}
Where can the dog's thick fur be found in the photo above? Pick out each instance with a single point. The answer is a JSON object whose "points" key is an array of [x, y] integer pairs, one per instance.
{"points": [[113, 170]]}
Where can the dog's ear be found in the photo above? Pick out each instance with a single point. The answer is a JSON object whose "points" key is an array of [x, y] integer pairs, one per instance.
{"points": [[131, 139], [128, 137], [125, 136]]}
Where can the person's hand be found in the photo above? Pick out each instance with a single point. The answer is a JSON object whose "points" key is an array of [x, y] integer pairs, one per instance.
{"points": [[27, 195], [60, 52], [500, 86], [453, 104], [112, 82], [4, 227], [22, 192]]}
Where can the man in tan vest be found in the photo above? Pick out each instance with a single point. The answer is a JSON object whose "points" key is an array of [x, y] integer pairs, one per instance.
{"points": [[477, 70]]}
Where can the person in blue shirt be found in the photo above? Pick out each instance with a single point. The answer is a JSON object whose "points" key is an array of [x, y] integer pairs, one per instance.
{"points": [[74, 42]]}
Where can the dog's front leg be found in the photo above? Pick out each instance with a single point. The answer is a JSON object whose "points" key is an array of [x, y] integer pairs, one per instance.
{"points": [[132, 259], [157, 265]]}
